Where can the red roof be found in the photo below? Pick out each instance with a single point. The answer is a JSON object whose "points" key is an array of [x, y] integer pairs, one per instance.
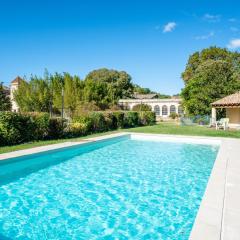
{"points": [[17, 80], [231, 100]]}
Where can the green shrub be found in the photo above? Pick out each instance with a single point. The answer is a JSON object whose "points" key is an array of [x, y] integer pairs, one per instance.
{"points": [[41, 125], [77, 129], [86, 120], [98, 122], [141, 107], [18, 128], [15, 128], [147, 118], [131, 119], [56, 128], [173, 115], [119, 118], [110, 120]]}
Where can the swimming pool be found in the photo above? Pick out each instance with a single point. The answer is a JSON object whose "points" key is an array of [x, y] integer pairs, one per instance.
{"points": [[122, 188]]}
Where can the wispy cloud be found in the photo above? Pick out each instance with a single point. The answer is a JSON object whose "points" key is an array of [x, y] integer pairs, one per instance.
{"points": [[234, 43], [204, 37], [212, 18], [232, 19], [234, 29], [169, 27]]}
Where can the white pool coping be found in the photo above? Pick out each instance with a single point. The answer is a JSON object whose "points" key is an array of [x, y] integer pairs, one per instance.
{"points": [[218, 217]]}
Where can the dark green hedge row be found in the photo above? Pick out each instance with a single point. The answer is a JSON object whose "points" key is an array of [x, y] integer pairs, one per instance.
{"points": [[19, 128]]}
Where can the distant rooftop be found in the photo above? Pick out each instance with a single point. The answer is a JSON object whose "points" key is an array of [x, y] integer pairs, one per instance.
{"points": [[144, 96], [231, 100], [17, 80]]}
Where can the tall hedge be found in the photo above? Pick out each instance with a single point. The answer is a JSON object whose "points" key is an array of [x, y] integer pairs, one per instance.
{"points": [[18, 128]]}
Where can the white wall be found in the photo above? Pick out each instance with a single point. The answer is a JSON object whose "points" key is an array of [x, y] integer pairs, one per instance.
{"points": [[130, 103], [13, 88]]}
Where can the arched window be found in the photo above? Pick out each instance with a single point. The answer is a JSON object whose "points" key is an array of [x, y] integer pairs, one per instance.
{"points": [[157, 110], [164, 110], [180, 110], [172, 109]]}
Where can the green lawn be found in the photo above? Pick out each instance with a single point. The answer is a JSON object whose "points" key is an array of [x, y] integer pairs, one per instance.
{"points": [[172, 128], [161, 128]]}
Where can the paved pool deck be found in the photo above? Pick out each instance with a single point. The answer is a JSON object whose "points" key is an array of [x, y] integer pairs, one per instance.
{"points": [[218, 217]]}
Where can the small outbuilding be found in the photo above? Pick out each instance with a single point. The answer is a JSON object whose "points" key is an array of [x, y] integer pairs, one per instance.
{"points": [[232, 105]]}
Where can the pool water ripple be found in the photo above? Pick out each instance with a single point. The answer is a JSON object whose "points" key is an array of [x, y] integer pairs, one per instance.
{"points": [[127, 190]]}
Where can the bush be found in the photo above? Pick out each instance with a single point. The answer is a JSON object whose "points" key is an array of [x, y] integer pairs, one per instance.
{"points": [[18, 128], [41, 125], [119, 118], [56, 128], [147, 118], [110, 120], [131, 119], [173, 115], [15, 128], [98, 122], [77, 129], [141, 107]]}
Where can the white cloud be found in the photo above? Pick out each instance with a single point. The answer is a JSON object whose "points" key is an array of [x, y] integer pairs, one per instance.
{"points": [[232, 19], [212, 18], [204, 37], [234, 43], [169, 27]]}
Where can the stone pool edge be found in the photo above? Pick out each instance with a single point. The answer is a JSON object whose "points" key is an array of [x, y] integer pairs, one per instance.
{"points": [[218, 217]]}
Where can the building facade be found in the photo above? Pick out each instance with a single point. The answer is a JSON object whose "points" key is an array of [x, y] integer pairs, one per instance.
{"points": [[14, 86], [162, 107], [231, 104]]}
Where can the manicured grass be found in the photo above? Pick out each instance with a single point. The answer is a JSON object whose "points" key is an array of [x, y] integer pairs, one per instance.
{"points": [[173, 128], [161, 128]]}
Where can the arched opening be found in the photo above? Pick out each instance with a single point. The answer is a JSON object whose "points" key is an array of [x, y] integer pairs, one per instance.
{"points": [[157, 110], [180, 110], [172, 109], [164, 110]]}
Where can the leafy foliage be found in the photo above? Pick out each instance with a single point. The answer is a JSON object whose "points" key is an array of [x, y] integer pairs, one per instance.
{"points": [[141, 107], [173, 115], [140, 90], [18, 128], [5, 103], [147, 118], [102, 88], [210, 75]]}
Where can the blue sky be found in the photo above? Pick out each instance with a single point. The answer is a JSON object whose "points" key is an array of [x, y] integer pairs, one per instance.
{"points": [[149, 39]]}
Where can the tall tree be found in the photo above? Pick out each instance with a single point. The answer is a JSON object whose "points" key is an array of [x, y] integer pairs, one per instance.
{"points": [[5, 103], [33, 95], [209, 75], [109, 85]]}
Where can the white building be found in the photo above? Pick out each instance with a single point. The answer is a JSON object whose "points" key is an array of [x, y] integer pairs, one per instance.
{"points": [[162, 107], [14, 86]]}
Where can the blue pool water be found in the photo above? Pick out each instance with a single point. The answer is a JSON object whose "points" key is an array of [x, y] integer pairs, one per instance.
{"points": [[118, 189]]}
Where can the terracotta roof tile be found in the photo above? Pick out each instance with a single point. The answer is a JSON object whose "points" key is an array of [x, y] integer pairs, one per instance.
{"points": [[231, 100], [17, 80]]}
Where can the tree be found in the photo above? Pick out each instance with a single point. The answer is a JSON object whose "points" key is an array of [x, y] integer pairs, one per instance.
{"points": [[33, 95], [142, 107], [5, 103], [209, 75], [140, 90], [106, 86], [72, 88]]}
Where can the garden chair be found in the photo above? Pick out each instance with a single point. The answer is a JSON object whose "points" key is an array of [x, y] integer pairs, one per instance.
{"points": [[222, 123]]}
